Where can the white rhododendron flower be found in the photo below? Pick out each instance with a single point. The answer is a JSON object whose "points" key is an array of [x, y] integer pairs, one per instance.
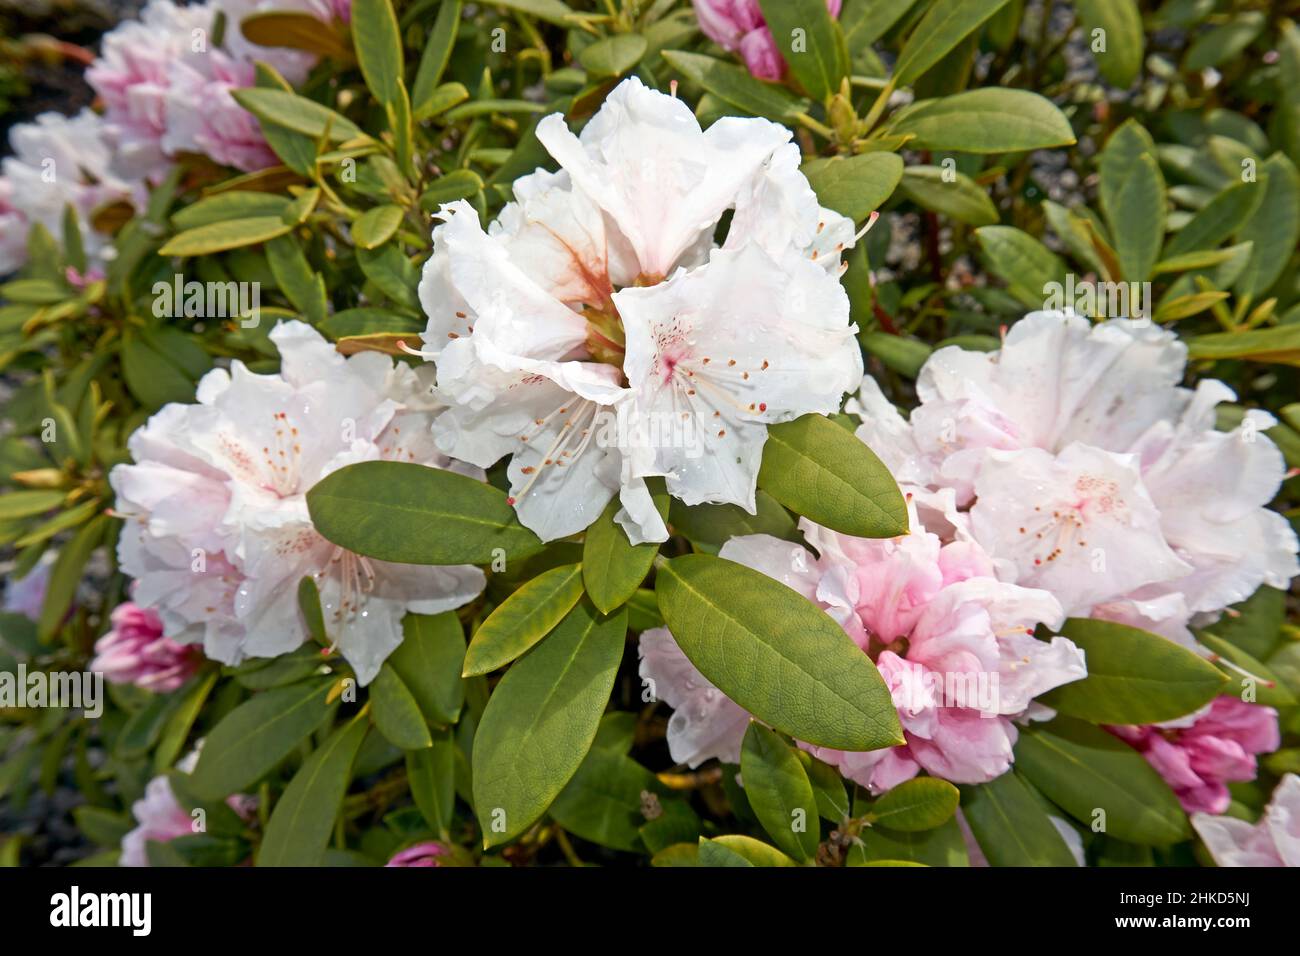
{"points": [[954, 644], [1086, 465], [218, 533], [596, 334], [1273, 841]]}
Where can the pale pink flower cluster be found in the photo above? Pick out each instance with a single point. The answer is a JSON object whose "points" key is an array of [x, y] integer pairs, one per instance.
{"points": [[1198, 756], [166, 91], [218, 536], [1085, 465], [955, 646], [1273, 841], [739, 26], [135, 651]]}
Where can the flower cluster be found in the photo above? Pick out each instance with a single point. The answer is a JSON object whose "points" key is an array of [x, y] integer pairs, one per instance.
{"points": [[165, 85], [955, 646], [1273, 841], [597, 335], [218, 535]]}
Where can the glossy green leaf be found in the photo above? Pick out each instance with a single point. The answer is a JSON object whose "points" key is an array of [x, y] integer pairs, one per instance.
{"points": [[523, 619], [376, 226], [1011, 826], [1274, 228], [922, 803], [1133, 199], [1027, 266], [227, 234], [991, 120], [1084, 769], [808, 40], [432, 776], [775, 654], [541, 719], [1122, 35], [855, 186], [1134, 676], [303, 818], [948, 193], [429, 661], [408, 513], [613, 55], [779, 792], [612, 567], [735, 85], [395, 712], [297, 113], [824, 472], [945, 24]]}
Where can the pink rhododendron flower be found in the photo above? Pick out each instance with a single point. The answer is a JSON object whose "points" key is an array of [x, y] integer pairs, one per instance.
{"points": [[204, 118], [596, 308], [1273, 841], [160, 818], [739, 26], [422, 854], [133, 74], [955, 646], [136, 652], [219, 536], [1199, 755], [1086, 465]]}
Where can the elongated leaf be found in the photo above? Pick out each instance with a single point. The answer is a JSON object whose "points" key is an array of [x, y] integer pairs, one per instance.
{"points": [[376, 226], [1122, 37], [709, 527], [1280, 344], [227, 234], [944, 25], [1134, 677], [602, 803], [235, 204], [523, 619], [822, 471], [775, 654], [552, 11], [856, 186], [396, 511], [429, 661], [988, 120], [296, 31], [1222, 216], [25, 504], [395, 712], [66, 573], [1011, 826], [1274, 228], [922, 803], [541, 719], [432, 775], [256, 736], [1083, 769], [950, 194], [614, 55], [379, 48], [297, 113], [612, 567], [942, 846], [437, 51], [1027, 266], [779, 792], [734, 84], [808, 40], [1133, 199], [726, 849], [303, 819]]}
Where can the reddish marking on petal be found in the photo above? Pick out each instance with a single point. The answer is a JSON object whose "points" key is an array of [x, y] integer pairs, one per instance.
{"points": [[762, 406]]}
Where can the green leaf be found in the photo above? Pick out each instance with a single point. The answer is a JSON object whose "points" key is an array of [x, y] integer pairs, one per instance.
{"points": [[1121, 23], [233, 204], [397, 511], [552, 11], [775, 654], [437, 52], [180, 720], [227, 234], [613, 55], [376, 226], [392, 273], [1224, 42], [709, 527], [254, 737], [825, 473], [922, 803], [729, 848], [541, 719], [66, 573], [809, 41], [1134, 676], [379, 48], [612, 567], [779, 792], [1133, 199], [303, 819], [1025, 264], [1255, 624], [1274, 228], [1083, 769], [1011, 826], [735, 85], [295, 31], [1268, 688], [989, 120], [602, 803], [944, 25], [1280, 345], [25, 504], [523, 619], [942, 846], [396, 713], [429, 661], [432, 776], [297, 113], [856, 186], [1222, 216], [304, 287], [950, 194], [457, 184]]}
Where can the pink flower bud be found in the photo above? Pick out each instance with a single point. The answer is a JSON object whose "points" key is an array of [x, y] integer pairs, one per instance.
{"points": [[739, 26], [136, 652], [422, 854]]}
